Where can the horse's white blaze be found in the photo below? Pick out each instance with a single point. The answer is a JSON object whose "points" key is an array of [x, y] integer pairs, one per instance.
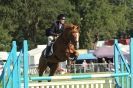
{"points": [[77, 37]]}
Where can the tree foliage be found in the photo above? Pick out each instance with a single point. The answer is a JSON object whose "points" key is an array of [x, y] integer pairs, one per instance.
{"points": [[28, 19]]}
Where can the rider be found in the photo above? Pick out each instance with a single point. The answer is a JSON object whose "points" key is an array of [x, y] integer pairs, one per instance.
{"points": [[55, 30]]}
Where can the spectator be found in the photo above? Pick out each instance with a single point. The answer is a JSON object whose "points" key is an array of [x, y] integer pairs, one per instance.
{"points": [[110, 66], [85, 66], [92, 66], [104, 65]]}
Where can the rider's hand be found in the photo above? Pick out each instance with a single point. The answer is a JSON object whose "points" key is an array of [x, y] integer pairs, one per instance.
{"points": [[57, 35]]}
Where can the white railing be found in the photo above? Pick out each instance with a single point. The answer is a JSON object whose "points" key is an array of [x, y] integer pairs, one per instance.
{"points": [[77, 68], [96, 67], [75, 84]]}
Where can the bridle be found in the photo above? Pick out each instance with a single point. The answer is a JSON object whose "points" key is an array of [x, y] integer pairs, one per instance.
{"points": [[74, 36]]}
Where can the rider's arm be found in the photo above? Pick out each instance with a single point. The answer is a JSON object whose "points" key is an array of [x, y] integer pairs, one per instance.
{"points": [[53, 30]]}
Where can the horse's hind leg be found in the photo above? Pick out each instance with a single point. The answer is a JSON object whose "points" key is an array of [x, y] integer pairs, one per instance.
{"points": [[42, 66], [53, 67]]}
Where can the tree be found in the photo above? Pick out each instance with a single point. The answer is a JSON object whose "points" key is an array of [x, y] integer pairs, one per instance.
{"points": [[28, 19], [103, 17]]}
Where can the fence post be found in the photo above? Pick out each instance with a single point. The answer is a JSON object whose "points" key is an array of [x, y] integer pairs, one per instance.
{"points": [[131, 62], [15, 74], [25, 53], [116, 62]]}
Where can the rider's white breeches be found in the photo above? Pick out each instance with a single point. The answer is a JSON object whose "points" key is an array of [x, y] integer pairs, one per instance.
{"points": [[50, 39]]}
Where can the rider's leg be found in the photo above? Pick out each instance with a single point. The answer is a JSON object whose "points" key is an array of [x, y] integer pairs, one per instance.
{"points": [[50, 39]]}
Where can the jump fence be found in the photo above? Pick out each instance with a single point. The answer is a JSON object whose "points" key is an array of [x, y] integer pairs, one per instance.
{"points": [[75, 84], [16, 65], [15, 73]]}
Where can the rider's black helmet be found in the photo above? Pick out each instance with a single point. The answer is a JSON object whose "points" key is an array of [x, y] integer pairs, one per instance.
{"points": [[61, 16]]}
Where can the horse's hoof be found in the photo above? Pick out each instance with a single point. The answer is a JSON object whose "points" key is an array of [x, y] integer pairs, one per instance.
{"points": [[49, 80], [39, 81]]}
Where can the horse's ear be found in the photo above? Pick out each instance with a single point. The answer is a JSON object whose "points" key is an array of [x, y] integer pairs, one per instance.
{"points": [[78, 28]]}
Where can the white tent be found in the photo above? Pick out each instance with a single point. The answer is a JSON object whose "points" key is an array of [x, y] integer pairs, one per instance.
{"points": [[35, 54], [4, 55]]}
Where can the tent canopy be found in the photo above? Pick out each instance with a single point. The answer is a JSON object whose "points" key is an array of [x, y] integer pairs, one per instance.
{"points": [[86, 56], [106, 51]]}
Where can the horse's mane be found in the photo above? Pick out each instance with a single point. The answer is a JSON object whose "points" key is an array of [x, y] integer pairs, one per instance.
{"points": [[68, 26], [71, 27]]}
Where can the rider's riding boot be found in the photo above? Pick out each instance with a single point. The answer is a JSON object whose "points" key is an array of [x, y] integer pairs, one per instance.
{"points": [[47, 51]]}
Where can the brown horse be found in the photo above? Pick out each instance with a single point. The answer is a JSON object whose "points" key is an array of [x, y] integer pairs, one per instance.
{"points": [[63, 48]]}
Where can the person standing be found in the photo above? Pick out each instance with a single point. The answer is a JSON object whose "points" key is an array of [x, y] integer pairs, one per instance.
{"points": [[104, 64], [91, 66], [85, 66]]}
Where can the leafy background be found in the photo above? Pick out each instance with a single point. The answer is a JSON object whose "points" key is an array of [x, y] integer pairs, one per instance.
{"points": [[28, 19]]}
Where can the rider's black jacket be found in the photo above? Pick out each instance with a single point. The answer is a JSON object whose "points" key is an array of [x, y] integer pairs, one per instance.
{"points": [[56, 28]]}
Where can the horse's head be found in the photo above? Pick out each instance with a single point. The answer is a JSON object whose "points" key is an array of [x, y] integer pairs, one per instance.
{"points": [[72, 33]]}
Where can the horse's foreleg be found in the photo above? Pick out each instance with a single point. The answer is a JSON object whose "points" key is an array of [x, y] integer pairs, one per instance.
{"points": [[42, 66], [53, 67]]}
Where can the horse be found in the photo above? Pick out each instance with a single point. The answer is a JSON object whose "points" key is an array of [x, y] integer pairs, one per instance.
{"points": [[64, 47]]}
